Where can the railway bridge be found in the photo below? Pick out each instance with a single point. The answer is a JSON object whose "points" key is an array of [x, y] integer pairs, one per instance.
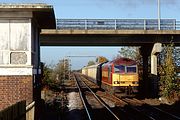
{"points": [[26, 27]]}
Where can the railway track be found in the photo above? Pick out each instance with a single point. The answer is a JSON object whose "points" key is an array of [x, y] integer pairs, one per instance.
{"points": [[135, 109], [154, 113], [86, 92], [127, 111]]}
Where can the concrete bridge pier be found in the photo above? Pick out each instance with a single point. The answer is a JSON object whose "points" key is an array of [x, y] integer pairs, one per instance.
{"points": [[157, 48], [154, 78], [149, 84], [145, 51]]}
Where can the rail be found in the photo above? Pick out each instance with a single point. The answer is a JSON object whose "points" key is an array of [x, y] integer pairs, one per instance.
{"points": [[152, 112], [117, 24], [82, 98], [99, 100]]}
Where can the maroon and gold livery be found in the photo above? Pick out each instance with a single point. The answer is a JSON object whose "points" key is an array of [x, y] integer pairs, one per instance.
{"points": [[119, 74]]}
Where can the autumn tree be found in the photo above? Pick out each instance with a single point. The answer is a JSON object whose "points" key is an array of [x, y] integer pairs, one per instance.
{"points": [[54, 76], [131, 53], [101, 59], [91, 62], [176, 53], [46, 76], [61, 71], [168, 81]]}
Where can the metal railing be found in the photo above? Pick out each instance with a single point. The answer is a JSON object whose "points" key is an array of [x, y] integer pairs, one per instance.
{"points": [[117, 24]]}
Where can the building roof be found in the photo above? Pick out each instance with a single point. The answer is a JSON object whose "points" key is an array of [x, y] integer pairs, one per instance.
{"points": [[43, 13]]}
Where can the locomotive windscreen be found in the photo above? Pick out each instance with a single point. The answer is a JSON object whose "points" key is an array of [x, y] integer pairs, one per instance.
{"points": [[131, 69], [125, 69], [119, 69]]}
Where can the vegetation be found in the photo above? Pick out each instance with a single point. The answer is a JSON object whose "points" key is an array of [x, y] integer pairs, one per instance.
{"points": [[91, 62], [46, 77], [129, 52], [168, 79], [101, 59], [61, 70], [53, 77]]}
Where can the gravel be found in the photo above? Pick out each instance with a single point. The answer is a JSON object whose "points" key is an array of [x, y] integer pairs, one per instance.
{"points": [[74, 101]]}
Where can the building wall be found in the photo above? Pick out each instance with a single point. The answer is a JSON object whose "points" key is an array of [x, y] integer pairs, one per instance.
{"points": [[15, 88], [19, 50]]}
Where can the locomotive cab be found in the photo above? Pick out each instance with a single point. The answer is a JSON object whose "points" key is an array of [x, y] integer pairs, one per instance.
{"points": [[121, 74]]}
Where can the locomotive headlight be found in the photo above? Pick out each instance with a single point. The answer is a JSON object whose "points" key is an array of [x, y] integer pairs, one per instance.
{"points": [[116, 82]]}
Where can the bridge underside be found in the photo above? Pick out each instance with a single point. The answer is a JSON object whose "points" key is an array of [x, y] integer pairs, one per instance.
{"points": [[107, 37]]}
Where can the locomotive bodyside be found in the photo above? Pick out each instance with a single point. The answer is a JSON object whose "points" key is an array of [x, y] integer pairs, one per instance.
{"points": [[117, 75], [120, 74]]}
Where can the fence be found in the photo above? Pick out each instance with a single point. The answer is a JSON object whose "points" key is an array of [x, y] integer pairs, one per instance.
{"points": [[117, 24], [18, 111], [14, 112]]}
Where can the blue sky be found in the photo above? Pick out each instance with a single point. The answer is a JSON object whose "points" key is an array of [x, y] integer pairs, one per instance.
{"points": [[100, 9]]}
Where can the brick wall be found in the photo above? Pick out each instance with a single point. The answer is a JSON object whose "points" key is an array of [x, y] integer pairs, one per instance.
{"points": [[14, 89]]}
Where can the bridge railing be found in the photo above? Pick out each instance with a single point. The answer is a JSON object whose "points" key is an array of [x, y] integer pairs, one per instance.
{"points": [[117, 24], [177, 25]]}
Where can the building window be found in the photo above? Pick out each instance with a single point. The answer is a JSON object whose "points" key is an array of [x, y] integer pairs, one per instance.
{"points": [[18, 58], [19, 35], [15, 39]]}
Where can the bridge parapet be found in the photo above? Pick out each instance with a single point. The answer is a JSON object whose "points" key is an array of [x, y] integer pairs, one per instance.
{"points": [[117, 24]]}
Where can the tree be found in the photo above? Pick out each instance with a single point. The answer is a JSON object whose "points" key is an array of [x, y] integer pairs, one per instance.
{"points": [[168, 81], [91, 62], [177, 55], [131, 53], [101, 59], [61, 71], [54, 76], [46, 77]]}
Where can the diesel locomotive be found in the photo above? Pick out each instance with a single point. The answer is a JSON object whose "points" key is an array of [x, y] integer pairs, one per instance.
{"points": [[119, 75]]}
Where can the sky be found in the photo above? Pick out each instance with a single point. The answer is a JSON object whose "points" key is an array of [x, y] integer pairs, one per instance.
{"points": [[110, 9]]}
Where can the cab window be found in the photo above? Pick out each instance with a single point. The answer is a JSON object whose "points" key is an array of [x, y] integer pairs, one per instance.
{"points": [[119, 69], [131, 69]]}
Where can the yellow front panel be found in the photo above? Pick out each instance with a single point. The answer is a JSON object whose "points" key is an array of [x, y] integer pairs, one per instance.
{"points": [[125, 79], [115, 79]]}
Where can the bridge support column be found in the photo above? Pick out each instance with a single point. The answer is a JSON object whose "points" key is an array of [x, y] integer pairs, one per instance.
{"points": [[156, 49], [149, 84], [153, 64], [144, 83], [153, 78]]}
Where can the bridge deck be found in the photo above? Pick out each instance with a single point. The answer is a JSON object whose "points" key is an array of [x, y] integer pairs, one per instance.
{"points": [[110, 32]]}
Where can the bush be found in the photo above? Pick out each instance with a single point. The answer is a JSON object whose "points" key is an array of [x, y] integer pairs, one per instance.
{"points": [[168, 80]]}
